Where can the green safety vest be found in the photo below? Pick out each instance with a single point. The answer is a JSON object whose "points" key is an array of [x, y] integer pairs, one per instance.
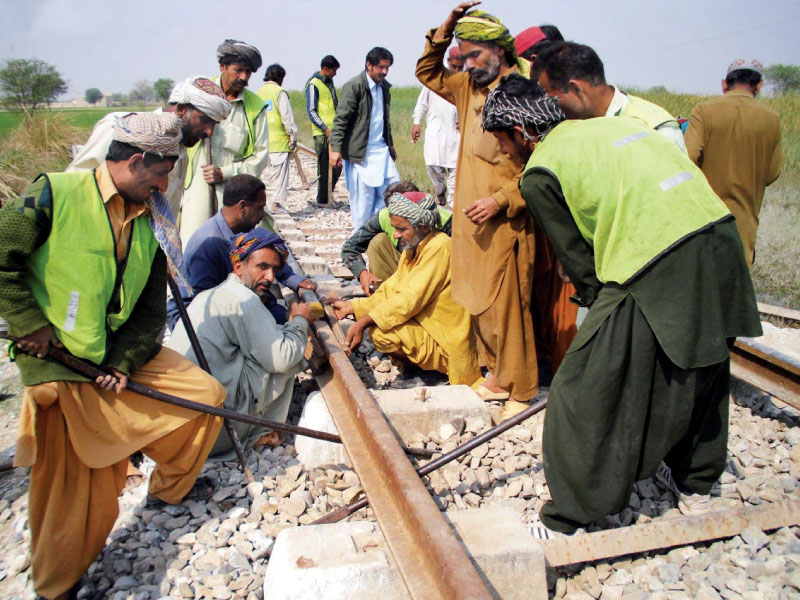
{"points": [[253, 105], [325, 108], [633, 193], [385, 219], [73, 275], [651, 114], [278, 138]]}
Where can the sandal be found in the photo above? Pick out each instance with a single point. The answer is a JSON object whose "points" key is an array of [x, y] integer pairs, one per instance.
{"points": [[486, 394]]}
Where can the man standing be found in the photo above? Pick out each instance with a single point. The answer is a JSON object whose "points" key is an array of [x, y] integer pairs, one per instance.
{"points": [[647, 376], [248, 352], [441, 135], [200, 104], [239, 144], [574, 74], [362, 137], [736, 142], [282, 134], [412, 316], [81, 267], [321, 103], [494, 240]]}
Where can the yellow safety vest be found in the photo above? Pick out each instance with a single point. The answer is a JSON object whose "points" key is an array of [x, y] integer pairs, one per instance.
{"points": [[278, 138]]}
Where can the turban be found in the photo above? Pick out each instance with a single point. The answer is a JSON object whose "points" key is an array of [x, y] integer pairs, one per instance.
{"points": [[159, 133], [535, 110], [244, 244], [528, 38], [416, 207], [240, 53], [205, 95], [481, 27]]}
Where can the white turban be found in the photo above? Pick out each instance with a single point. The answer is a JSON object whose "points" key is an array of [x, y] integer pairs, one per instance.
{"points": [[202, 93]]}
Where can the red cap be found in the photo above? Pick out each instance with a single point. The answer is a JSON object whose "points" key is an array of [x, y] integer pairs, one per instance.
{"points": [[528, 38], [415, 197], [454, 52]]}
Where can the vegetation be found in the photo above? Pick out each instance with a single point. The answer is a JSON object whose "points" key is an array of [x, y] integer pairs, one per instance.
{"points": [[783, 78], [162, 88], [142, 92], [92, 95], [45, 147], [29, 83]]}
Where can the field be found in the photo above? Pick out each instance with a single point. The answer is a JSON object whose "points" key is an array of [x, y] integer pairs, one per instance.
{"points": [[776, 275]]}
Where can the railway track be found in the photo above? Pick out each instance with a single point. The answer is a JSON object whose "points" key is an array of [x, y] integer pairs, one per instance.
{"points": [[404, 516]]}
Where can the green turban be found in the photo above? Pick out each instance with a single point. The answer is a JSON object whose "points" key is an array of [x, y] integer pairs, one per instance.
{"points": [[481, 27]]}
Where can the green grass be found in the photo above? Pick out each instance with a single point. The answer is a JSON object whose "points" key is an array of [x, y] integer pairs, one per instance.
{"points": [[82, 118]]}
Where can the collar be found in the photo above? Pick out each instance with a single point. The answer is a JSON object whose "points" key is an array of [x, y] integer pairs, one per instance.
{"points": [[744, 93], [370, 83], [618, 102], [222, 225]]}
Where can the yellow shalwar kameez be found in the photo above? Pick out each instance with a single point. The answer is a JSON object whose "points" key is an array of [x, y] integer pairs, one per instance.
{"points": [[414, 314]]}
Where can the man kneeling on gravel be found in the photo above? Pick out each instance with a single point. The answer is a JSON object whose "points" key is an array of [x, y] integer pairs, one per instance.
{"points": [[248, 352], [411, 316]]}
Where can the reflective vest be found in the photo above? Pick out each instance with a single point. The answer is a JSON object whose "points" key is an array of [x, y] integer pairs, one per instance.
{"points": [[652, 114], [278, 138], [73, 275], [385, 220], [632, 193], [253, 105], [325, 107]]}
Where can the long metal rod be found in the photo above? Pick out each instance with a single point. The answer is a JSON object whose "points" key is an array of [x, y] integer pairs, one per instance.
{"points": [[93, 372], [346, 511], [201, 358]]}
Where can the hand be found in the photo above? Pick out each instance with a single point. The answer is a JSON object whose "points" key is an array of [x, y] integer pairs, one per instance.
{"points": [[292, 144], [115, 380], [392, 152], [307, 284], [354, 336], [365, 278], [343, 308], [415, 131], [335, 159], [459, 11], [301, 309], [482, 210], [212, 174], [328, 132], [38, 343]]}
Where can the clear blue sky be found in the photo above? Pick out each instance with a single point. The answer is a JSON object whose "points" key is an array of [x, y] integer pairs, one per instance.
{"points": [[109, 44]]}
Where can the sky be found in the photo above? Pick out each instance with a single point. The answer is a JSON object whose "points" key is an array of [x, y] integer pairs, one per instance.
{"points": [[110, 44]]}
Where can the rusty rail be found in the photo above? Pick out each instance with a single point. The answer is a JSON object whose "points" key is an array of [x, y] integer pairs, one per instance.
{"points": [[767, 369], [780, 312]]}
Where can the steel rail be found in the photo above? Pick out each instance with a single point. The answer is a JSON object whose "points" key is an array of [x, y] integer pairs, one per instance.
{"points": [[431, 560], [767, 369], [780, 312]]}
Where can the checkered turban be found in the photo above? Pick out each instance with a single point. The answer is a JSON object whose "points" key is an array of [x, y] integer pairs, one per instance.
{"points": [[416, 207], [536, 110], [205, 95], [240, 53], [159, 133]]}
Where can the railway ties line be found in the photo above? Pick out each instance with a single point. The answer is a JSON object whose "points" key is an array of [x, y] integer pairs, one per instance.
{"points": [[778, 376]]}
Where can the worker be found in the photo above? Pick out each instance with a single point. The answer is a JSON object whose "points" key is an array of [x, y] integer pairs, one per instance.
{"points": [[321, 104], [654, 254], [411, 316]]}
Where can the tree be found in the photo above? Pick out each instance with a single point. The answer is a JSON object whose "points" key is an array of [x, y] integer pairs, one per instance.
{"points": [[162, 89], [28, 83], [142, 92], [119, 99], [783, 78], [93, 95]]}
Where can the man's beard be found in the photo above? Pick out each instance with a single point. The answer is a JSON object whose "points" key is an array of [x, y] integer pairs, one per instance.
{"points": [[412, 244], [484, 77]]}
